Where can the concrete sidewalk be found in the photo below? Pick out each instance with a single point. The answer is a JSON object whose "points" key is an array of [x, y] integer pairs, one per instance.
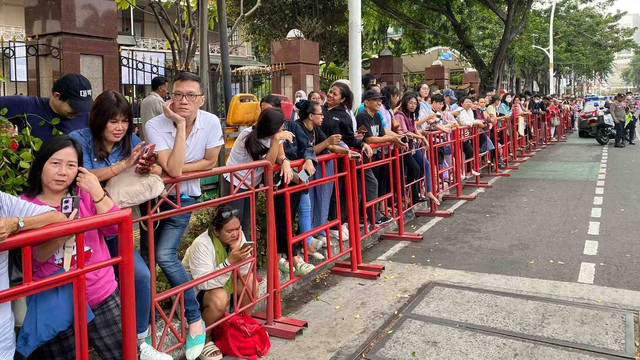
{"points": [[424, 312]]}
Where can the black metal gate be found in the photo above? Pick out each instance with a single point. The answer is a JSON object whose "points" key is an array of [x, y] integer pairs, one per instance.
{"points": [[28, 69]]}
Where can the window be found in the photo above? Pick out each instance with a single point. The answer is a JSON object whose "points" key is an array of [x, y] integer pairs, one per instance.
{"points": [[138, 21]]}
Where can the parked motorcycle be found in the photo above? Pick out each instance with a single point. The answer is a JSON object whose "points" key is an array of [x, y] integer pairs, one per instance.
{"points": [[601, 126]]}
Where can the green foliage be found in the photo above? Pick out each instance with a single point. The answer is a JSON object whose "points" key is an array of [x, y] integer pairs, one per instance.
{"points": [[329, 74], [15, 164], [632, 73]]}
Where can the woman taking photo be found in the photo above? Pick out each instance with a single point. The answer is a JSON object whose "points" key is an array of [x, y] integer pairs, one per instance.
{"points": [[57, 173], [109, 147]]}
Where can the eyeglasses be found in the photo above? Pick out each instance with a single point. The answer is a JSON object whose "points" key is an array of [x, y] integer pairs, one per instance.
{"points": [[318, 114], [190, 97], [227, 214]]}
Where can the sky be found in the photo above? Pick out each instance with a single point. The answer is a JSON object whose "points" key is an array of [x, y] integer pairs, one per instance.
{"points": [[630, 6]]}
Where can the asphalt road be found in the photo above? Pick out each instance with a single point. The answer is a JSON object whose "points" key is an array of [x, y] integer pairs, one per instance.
{"points": [[535, 223]]}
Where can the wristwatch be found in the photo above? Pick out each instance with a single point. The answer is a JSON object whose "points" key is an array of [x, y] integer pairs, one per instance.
{"points": [[20, 224]]}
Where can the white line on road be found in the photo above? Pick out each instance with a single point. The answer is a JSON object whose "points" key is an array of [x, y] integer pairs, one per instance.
{"points": [[591, 247], [596, 212], [600, 183], [603, 171], [603, 166], [587, 273], [597, 200], [599, 191], [604, 161], [601, 176], [594, 228]]}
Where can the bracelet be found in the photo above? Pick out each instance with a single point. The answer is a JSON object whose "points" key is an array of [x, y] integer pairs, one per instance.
{"points": [[102, 198]]}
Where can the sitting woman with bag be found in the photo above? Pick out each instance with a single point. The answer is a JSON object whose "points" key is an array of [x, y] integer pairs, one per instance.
{"points": [[57, 173], [222, 245], [112, 152]]}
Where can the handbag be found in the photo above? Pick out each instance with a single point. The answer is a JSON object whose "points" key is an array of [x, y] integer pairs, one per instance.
{"points": [[555, 121], [129, 188], [242, 336]]}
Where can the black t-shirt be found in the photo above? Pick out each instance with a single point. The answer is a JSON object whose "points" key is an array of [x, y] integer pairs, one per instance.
{"points": [[316, 136], [372, 123]]}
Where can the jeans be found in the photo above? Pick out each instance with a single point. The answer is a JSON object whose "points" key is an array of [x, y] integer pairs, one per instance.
{"points": [[167, 238], [619, 132], [304, 215], [318, 196], [142, 285]]}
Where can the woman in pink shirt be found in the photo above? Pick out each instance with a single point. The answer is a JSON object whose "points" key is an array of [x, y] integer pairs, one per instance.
{"points": [[56, 173]]}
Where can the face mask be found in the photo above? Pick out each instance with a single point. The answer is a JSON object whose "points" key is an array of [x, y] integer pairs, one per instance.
{"points": [[482, 108], [508, 100]]}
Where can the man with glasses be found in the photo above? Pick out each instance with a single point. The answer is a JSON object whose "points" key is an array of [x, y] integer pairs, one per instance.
{"points": [[66, 110], [187, 139]]}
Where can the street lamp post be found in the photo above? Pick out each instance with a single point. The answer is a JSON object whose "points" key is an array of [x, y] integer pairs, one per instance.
{"points": [[355, 50], [549, 51]]}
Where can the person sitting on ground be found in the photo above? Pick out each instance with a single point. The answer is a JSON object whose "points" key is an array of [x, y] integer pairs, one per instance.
{"points": [[416, 162], [371, 121], [187, 139], [17, 215], [109, 147], [70, 102], [220, 246], [57, 173], [338, 121]]}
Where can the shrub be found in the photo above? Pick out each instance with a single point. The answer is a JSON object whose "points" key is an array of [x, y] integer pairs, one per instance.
{"points": [[17, 149]]}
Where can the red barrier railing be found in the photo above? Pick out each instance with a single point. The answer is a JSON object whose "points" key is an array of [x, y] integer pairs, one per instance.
{"points": [[245, 188], [482, 160], [28, 239], [517, 141]]}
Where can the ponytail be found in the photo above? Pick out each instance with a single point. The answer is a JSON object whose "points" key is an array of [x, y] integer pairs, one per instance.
{"points": [[268, 124]]}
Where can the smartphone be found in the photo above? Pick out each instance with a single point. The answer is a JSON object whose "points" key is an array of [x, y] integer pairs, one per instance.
{"points": [[248, 244], [354, 156], [148, 150], [304, 176], [68, 204], [362, 129]]}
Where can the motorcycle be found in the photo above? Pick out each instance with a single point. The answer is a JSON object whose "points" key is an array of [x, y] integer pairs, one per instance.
{"points": [[601, 126]]}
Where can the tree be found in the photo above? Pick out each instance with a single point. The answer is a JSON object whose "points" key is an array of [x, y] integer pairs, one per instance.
{"points": [[481, 30], [632, 73], [179, 22]]}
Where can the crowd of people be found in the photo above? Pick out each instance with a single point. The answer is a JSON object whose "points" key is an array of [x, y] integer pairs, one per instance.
{"points": [[97, 141]]}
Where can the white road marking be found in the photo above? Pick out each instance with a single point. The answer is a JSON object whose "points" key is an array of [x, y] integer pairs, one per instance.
{"points": [[591, 247], [602, 171], [599, 191], [597, 200], [601, 176], [587, 273], [596, 212], [603, 166], [600, 183], [394, 250], [594, 228]]}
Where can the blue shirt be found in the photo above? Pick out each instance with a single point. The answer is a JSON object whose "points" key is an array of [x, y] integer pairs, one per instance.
{"points": [[361, 108], [89, 159], [36, 110]]}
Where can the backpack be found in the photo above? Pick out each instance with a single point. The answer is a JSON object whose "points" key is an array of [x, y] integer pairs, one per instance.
{"points": [[242, 336]]}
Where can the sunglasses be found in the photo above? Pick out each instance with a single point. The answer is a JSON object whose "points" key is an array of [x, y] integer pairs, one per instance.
{"points": [[227, 214]]}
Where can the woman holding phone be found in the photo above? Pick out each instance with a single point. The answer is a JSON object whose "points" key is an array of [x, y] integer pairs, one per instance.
{"points": [[109, 147], [56, 174]]}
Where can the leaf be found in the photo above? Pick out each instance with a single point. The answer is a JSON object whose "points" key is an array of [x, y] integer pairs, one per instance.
{"points": [[55, 121], [41, 123], [26, 156], [24, 165], [356, 316], [561, 262], [4, 111], [338, 307], [413, 354]]}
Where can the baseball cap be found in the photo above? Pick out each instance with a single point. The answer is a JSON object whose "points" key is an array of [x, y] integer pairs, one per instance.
{"points": [[77, 90], [449, 93], [371, 95]]}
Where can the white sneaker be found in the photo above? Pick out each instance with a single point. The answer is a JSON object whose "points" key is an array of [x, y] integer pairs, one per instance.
{"points": [[345, 231], [475, 173], [147, 352], [317, 243]]}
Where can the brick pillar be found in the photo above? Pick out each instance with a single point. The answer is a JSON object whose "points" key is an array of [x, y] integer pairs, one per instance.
{"points": [[388, 71], [473, 80], [438, 74], [301, 59], [85, 31]]}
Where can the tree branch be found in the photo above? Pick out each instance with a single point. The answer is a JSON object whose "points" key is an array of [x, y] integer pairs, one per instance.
{"points": [[495, 9], [243, 16]]}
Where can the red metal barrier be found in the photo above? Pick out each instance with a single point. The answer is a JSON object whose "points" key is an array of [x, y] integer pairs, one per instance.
{"points": [[244, 189], [499, 132], [482, 160], [28, 239], [516, 141]]}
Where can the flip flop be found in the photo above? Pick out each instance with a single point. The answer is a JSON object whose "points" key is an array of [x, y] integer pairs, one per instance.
{"points": [[210, 352]]}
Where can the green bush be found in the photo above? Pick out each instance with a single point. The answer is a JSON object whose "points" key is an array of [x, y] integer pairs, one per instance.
{"points": [[15, 164]]}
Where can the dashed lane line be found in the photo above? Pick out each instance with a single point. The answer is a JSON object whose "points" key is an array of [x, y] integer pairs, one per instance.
{"points": [[597, 200], [594, 228], [600, 183], [591, 247], [596, 212], [599, 191], [587, 273]]}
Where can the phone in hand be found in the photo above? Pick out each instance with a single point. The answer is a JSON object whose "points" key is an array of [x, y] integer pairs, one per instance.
{"points": [[68, 204], [362, 129], [148, 150], [354, 155], [248, 244], [304, 176]]}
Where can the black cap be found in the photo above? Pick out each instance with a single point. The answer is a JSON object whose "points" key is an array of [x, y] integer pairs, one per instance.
{"points": [[77, 90], [371, 95]]}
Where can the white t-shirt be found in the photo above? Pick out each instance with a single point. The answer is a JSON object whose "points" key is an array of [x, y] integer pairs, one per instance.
{"points": [[206, 134], [11, 206], [239, 155]]}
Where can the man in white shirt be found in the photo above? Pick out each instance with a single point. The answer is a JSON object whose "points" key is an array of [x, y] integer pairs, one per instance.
{"points": [[151, 106], [187, 139], [467, 118], [17, 215]]}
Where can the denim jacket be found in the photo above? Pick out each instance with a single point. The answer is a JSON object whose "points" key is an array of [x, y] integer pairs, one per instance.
{"points": [[299, 148]]}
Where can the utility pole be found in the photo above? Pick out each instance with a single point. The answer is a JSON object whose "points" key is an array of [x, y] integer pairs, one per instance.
{"points": [[203, 12], [355, 50], [549, 51], [224, 53]]}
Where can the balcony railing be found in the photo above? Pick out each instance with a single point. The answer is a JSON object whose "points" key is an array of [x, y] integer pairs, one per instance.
{"points": [[214, 48], [12, 33]]}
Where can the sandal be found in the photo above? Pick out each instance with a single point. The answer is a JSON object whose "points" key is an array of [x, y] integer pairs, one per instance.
{"points": [[210, 352], [283, 265], [302, 268]]}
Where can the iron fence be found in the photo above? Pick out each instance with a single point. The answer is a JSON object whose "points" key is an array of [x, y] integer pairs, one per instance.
{"points": [[28, 69]]}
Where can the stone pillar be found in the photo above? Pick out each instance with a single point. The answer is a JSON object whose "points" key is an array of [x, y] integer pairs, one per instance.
{"points": [[388, 71], [85, 31], [301, 59], [438, 74], [473, 80]]}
